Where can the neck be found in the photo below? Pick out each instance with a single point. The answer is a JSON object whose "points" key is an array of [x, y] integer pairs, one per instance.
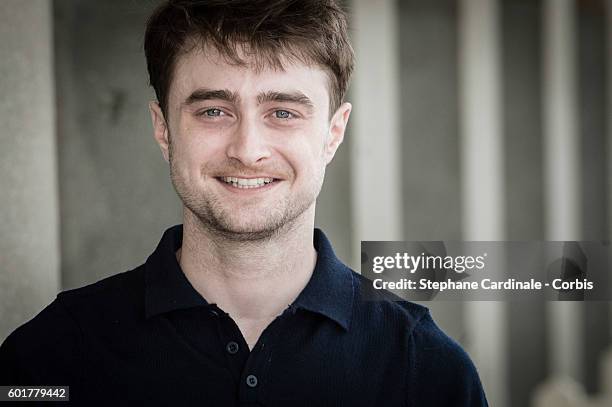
{"points": [[250, 280]]}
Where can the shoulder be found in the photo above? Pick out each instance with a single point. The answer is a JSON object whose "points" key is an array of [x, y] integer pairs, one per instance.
{"points": [[408, 316], [440, 362], [385, 308], [119, 293], [433, 347], [440, 371], [51, 343]]}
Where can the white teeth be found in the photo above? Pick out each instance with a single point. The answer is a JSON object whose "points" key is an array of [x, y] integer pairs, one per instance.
{"points": [[247, 182]]}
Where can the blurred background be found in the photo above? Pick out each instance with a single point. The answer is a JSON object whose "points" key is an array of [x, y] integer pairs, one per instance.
{"points": [[473, 120]]}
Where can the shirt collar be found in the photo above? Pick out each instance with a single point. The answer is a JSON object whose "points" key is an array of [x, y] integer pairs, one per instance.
{"points": [[166, 287], [330, 291]]}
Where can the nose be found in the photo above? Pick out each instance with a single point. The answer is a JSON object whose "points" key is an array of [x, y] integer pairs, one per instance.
{"points": [[248, 143]]}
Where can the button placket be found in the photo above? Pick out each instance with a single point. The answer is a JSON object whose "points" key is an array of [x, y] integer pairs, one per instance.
{"points": [[229, 334], [258, 363]]}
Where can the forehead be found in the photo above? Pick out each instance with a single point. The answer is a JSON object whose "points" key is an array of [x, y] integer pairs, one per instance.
{"points": [[206, 68]]}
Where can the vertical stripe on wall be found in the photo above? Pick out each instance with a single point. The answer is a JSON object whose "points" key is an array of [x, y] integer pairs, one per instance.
{"points": [[608, 41], [29, 224], [375, 147], [561, 169], [482, 177], [428, 118], [594, 158], [521, 50], [431, 192]]}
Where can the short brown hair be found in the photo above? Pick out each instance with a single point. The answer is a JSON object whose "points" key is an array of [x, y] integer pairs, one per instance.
{"points": [[308, 31]]}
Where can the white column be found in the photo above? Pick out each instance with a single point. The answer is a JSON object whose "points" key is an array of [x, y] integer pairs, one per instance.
{"points": [[29, 241], [375, 144], [483, 178], [561, 168]]}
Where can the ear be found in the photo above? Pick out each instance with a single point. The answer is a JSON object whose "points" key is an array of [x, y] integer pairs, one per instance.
{"points": [[160, 128], [337, 127]]}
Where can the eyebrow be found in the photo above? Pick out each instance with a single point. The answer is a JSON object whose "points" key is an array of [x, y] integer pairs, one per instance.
{"points": [[202, 94], [291, 97], [210, 94]]}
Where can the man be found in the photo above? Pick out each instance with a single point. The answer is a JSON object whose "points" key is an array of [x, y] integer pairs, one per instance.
{"points": [[245, 303]]}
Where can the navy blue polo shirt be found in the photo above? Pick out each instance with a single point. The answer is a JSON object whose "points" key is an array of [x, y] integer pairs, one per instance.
{"points": [[147, 337]]}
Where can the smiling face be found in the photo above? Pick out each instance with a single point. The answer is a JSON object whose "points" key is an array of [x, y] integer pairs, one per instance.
{"points": [[248, 148]]}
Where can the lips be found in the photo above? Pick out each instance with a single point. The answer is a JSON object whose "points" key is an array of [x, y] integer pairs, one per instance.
{"points": [[247, 182], [257, 183]]}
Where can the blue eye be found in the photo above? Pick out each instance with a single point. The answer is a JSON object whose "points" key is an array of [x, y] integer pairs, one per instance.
{"points": [[282, 114], [212, 112]]}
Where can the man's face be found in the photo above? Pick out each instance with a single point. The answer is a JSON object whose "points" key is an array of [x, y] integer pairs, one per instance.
{"points": [[247, 149]]}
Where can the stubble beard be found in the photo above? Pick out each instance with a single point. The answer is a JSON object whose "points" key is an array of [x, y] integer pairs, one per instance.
{"points": [[253, 223]]}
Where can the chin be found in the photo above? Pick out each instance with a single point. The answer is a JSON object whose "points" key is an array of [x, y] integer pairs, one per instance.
{"points": [[238, 229], [247, 234]]}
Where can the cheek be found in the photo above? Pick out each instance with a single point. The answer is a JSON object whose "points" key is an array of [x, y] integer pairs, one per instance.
{"points": [[190, 159], [309, 165], [311, 155]]}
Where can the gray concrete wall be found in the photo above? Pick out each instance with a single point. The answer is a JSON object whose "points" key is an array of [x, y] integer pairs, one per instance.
{"points": [[430, 139], [521, 50], [334, 204], [116, 195], [29, 245], [595, 158], [429, 119]]}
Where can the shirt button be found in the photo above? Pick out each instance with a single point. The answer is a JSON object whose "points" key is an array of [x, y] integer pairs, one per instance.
{"points": [[232, 347], [215, 313], [251, 380]]}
